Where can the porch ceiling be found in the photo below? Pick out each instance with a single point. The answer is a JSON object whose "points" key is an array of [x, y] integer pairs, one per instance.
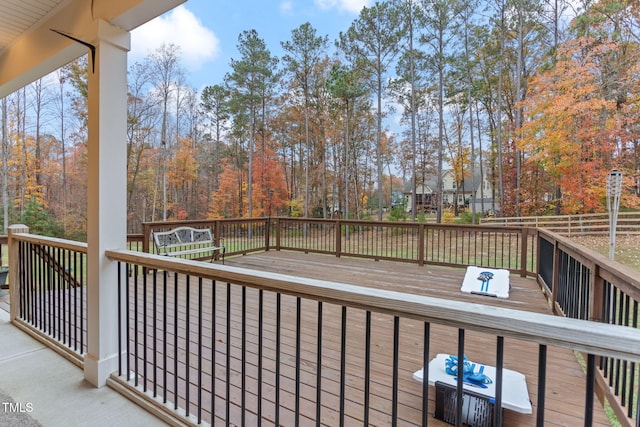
{"points": [[30, 50], [19, 16]]}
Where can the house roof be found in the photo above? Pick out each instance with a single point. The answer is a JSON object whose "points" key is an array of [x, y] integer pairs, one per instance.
{"points": [[428, 187], [430, 183]]}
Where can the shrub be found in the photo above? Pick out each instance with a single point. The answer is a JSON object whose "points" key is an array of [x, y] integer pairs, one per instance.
{"points": [[39, 221], [448, 217], [365, 215], [421, 217], [466, 217], [397, 213]]}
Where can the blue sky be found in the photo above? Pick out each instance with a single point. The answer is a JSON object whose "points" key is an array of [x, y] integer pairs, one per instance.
{"points": [[207, 30]]}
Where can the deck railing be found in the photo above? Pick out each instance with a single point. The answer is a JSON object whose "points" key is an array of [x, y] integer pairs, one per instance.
{"points": [[585, 285], [512, 248], [48, 292], [49, 277], [280, 343]]}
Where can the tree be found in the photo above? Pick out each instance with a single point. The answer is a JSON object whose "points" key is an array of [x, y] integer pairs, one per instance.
{"points": [[215, 104], [142, 118], [75, 74], [270, 184], [40, 221], [182, 174], [166, 73], [304, 53], [324, 132], [440, 24], [227, 200], [459, 152], [406, 86], [555, 9], [467, 64], [343, 84], [572, 128], [461, 79], [60, 114], [40, 101], [372, 42], [250, 83]]}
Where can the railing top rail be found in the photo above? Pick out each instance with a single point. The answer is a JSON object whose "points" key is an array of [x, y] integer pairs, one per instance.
{"points": [[53, 241], [357, 222], [176, 223], [483, 227], [590, 337]]}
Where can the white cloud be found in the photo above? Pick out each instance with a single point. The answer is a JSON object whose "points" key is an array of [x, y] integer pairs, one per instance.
{"points": [[286, 7], [353, 6], [197, 43]]}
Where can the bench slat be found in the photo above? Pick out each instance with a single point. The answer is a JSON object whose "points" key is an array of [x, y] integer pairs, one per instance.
{"points": [[194, 251]]}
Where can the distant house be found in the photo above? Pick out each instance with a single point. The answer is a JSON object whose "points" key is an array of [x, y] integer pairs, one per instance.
{"points": [[397, 199], [452, 193], [425, 197]]}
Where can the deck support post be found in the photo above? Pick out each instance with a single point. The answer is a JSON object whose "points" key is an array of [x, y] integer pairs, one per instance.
{"points": [[14, 270]]}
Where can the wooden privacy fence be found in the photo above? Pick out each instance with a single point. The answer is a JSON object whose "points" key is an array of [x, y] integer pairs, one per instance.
{"points": [[573, 225]]}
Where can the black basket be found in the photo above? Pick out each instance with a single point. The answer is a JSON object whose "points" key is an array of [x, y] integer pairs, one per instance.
{"points": [[477, 410]]}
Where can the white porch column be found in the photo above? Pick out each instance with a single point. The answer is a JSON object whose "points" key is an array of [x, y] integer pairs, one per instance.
{"points": [[107, 179]]}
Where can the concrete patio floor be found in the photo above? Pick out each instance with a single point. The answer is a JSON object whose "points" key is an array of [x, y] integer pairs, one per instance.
{"points": [[49, 389]]}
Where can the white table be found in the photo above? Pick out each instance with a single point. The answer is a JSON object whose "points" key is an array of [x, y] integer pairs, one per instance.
{"points": [[515, 395]]}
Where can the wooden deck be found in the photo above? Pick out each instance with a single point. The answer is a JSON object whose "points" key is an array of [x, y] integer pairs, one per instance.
{"points": [[565, 377]]}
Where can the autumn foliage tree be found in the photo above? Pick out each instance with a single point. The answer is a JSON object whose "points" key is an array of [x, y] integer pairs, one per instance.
{"points": [[270, 195], [269, 187], [181, 174], [230, 197], [571, 134]]}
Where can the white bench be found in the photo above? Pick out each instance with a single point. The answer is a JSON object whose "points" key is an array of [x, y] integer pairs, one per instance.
{"points": [[186, 241]]}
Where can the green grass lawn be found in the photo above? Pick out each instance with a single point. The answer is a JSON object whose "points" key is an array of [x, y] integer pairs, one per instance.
{"points": [[626, 250]]}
